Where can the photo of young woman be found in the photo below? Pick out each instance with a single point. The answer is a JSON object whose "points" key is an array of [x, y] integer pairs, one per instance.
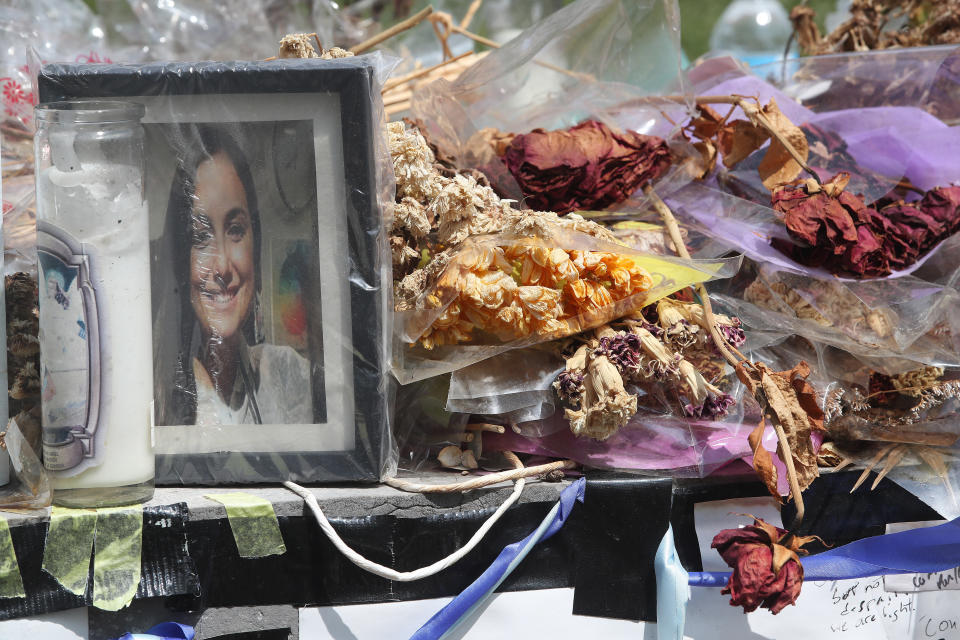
{"points": [[219, 370]]}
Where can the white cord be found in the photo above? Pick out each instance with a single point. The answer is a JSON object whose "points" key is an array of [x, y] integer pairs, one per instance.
{"points": [[387, 572]]}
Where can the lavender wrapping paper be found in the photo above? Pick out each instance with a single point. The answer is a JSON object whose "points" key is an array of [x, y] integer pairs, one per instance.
{"points": [[895, 142], [680, 447]]}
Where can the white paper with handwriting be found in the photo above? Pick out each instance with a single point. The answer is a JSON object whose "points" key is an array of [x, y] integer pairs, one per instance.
{"points": [[845, 610], [912, 582]]}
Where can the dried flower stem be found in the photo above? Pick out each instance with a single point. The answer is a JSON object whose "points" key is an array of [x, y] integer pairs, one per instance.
{"points": [[496, 45], [483, 426], [483, 481], [675, 236], [400, 27], [674, 230], [471, 12], [901, 390], [414, 75]]}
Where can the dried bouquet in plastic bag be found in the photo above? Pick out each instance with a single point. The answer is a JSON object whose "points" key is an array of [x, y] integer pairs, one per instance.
{"points": [[475, 276]]}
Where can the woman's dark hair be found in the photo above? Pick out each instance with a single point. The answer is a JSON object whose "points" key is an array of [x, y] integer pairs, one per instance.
{"points": [[201, 143]]}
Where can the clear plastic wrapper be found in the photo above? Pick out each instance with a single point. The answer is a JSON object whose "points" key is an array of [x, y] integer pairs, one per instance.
{"points": [[923, 77], [516, 385], [270, 271], [29, 486], [56, 30], [587, 60], [232, 30], [19, 225], [505, 291], [652, 444], [519, 389], [896, 322]]}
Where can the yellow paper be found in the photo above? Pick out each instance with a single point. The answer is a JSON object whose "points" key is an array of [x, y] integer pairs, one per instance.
{"points": [[637, 225], [11, 584], [66, 553], [253, 522], [670, 276], [116, 561]]}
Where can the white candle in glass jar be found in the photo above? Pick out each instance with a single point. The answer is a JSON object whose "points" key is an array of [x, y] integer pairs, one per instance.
{"points": [[95, 320]]}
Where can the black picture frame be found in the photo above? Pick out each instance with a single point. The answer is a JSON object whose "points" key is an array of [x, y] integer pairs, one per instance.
{"points": [[352, 80]]}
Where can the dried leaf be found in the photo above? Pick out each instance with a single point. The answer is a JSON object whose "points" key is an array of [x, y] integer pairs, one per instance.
{"points": [[738, 140], [707, 124], [793, 400], [745, 377], [708, 159], [763, 461], [782, 555], [934, 460], [778, 166]]}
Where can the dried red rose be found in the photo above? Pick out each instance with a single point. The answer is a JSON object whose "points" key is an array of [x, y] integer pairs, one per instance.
{"points": [[589, 166], [835, 225], [766, 568], [943, 204], [839, 232]]}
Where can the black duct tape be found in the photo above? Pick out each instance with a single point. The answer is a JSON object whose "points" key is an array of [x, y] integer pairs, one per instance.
{"points": [[605, 551], [839, 517], [620, 525], [166, 567], [312, 572]]}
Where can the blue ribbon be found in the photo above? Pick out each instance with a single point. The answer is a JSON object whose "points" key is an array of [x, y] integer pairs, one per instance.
{"points": [[924, 550], [163, 631], [472, 598]]}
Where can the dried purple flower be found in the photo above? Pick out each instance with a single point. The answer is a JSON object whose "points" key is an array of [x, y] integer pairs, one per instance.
{"points": [[569, 386], [733, 334], [713, 407], [655, 329], [623, 350]]}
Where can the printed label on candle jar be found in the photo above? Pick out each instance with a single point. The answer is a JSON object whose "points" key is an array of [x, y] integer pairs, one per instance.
{"points": [[69, 350]]}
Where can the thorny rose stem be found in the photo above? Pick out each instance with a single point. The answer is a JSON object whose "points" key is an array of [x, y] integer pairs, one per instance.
{"points": [[674, 231]]}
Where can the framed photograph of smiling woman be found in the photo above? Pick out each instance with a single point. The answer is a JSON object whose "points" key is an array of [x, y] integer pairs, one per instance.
{"points": [[266, 262]]}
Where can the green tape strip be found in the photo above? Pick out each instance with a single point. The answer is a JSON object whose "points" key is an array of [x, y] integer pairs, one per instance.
{"points": [[11, 584], [254, 524], [66, 553], [116, 559]]}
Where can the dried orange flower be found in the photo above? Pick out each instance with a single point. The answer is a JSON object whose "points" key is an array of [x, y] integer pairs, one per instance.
{"points": [[527, 288]]}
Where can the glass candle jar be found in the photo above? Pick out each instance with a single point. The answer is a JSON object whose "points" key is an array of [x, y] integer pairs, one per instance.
{"points": [[93, 252]]}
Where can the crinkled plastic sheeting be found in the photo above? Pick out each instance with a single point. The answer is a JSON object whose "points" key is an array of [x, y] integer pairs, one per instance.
{"points": [[589, 59], [268, 187], [895, 323], [415, 362], [924, 77], [29, 486]]}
